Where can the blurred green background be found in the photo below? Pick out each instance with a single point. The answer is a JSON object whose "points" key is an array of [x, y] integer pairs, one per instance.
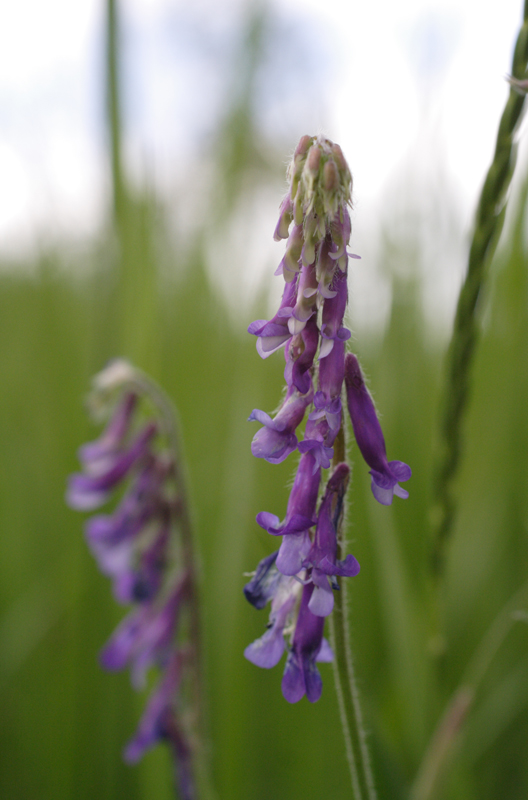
{"points": [[134, 291]]}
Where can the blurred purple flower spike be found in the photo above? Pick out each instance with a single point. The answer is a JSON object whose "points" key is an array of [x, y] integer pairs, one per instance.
{"points": [[138, 546]]}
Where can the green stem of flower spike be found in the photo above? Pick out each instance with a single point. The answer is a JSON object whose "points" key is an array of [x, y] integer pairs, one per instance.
{"points": [[346, 687], [488, 225]]}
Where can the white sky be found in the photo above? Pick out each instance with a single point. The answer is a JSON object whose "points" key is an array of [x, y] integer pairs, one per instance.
{"points": [[411, 87]]}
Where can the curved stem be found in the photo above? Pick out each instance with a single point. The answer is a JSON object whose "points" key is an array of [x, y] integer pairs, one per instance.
{"points": [[488, 225]]}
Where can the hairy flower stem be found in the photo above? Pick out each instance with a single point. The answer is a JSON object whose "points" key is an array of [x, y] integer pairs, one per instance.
{"points": [[488, 225], [346, 687], [170, 428]]}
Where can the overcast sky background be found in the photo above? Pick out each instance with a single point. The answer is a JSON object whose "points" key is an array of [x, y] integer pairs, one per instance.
{"points": [[412, 88]]}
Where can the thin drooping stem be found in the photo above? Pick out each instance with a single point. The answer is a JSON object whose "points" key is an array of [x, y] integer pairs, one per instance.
{"points": [[488, 225], [346, 688], [170, 429]]}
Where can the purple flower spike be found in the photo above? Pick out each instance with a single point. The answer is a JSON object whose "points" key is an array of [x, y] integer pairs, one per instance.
{"points": [[143, 547], [315, 220], [301, 676], [369, 437], [322, 556], [276, 440], [274, 334]]}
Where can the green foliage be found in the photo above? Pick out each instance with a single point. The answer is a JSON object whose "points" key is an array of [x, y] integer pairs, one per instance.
{"points": [[65, 721]]}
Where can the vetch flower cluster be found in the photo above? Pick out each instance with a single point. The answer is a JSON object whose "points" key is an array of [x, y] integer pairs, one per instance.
{"points": [[299, 578], [143, 547]]}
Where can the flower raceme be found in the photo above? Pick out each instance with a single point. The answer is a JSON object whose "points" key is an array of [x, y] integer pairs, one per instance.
{"points": [[138, 545], [299, 578]]}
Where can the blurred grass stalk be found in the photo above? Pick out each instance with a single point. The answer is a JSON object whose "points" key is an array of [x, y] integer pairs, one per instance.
{"points": [[134, 300], [489, 220]]}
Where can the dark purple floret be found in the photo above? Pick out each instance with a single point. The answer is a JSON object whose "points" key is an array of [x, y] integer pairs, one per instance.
{"points": [[332, 329], [301, 676], [369, 437], [300, 356], [318, 435], [322, 556], [274, 334], [300, 517], [276, 440], [262, 585]]}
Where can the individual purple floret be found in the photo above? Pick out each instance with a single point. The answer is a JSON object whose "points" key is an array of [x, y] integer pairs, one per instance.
{"points": [[300, 517], [139, 545], [301, 676], [276, 440], [262, 585], [369, 437], [274, 334], [267, 651], [322, 557], [300, 356]]}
